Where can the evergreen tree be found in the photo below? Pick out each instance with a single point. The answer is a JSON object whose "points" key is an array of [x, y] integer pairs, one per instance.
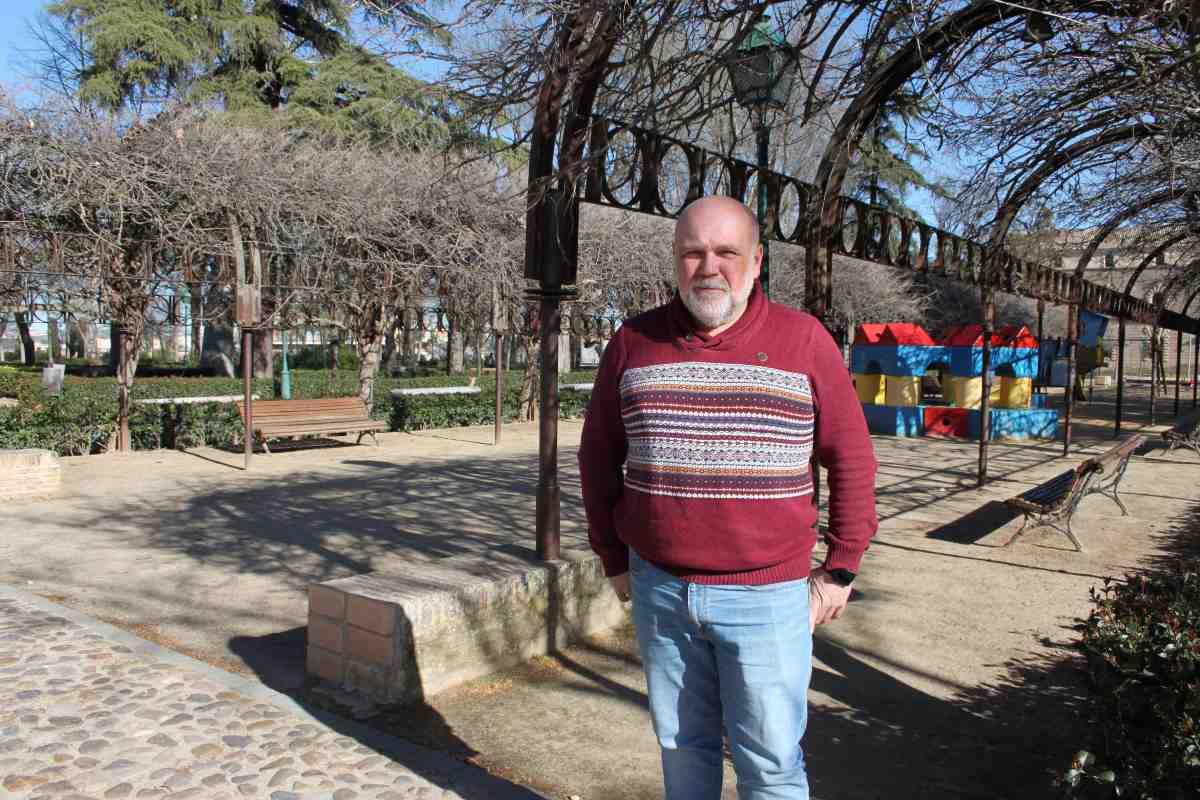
{"points": [[292, 63], [883, 170]]}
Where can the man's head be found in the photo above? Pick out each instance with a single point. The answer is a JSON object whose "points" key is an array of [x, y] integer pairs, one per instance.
{"points": [[717, 260]]}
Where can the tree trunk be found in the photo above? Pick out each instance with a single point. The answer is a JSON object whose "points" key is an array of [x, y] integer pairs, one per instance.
{"points": [[53, 334], [30, 354], [368, 369], [408, 344], [196, 317], [126, 343], [219, 353], [527, 400], [264, 353], [576, 352], [455, 347], [390, 357]]}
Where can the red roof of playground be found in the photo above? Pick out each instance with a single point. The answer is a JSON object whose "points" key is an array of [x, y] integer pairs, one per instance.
{"points": [[892, 333], [1006, 336]]}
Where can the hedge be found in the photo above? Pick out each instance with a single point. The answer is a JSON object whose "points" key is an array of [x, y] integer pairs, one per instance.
{"points": [[83, 419], [1142, 642]]}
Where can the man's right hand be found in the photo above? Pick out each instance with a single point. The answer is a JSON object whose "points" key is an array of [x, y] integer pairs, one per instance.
{"points": [[620, 585]]}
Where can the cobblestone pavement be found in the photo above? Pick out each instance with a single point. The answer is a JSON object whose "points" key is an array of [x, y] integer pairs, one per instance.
{"points": [[89, 711]]}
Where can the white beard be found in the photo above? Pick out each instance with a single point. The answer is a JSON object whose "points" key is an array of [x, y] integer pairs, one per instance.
{"points": [[714, 311]]}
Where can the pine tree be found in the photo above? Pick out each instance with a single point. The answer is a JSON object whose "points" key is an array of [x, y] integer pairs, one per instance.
{"points": [[292, 63], [883, 171]]}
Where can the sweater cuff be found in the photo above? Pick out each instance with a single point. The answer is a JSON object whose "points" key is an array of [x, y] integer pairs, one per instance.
{"points": [[841, 556], [615, 560]]}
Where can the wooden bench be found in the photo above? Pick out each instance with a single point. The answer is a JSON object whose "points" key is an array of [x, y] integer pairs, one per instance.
{"points": [[275, 419], [1186, 433], [1053, 502]]}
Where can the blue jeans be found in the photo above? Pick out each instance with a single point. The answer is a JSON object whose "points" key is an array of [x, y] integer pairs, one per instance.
{"points": [[741, 654]]}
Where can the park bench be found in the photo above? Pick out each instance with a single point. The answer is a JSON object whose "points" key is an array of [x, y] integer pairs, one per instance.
{"points": [[1053, 502], [1186, 433], [275, 419]]}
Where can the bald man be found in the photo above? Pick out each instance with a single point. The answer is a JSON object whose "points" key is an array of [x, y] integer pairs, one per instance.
{"points": [[695, 466]]}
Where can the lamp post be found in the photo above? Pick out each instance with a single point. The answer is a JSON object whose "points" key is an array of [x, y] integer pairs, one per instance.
{"points": [[285, 378], [762, 69]]}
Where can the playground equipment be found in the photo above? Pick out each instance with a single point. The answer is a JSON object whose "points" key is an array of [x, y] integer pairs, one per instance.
{"points": [[889, 361]]}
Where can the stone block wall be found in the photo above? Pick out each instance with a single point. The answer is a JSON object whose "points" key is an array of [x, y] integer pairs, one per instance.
{"points": [[403, 637], [29, 474]]}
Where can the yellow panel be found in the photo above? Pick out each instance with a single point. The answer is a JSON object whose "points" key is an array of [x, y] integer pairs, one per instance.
{"points": [[870, 388], [1015, 392], [903, 391], [967, 392]]}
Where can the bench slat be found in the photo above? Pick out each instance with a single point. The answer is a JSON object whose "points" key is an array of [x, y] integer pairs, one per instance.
{"points": [[277, 418]]}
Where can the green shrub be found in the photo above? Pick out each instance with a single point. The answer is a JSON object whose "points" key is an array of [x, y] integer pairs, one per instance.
{"points": [[84, 418], [1142, 642]]}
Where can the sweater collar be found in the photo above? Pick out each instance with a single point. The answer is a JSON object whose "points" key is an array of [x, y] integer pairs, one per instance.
{"points": [[752, 319]]}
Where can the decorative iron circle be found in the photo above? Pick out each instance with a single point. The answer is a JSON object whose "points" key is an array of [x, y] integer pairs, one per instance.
{"points": [[793, 205], [674, 184], [620, 170]]}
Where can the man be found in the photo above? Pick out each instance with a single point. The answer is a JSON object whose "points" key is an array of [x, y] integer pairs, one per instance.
{"points": [[695, 469]]}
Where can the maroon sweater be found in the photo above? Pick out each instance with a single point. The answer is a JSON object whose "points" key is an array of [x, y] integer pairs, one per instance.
{"points": [[696, 449]]}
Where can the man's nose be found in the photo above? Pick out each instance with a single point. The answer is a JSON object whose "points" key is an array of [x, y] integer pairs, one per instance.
{"points": [[709, 265]]}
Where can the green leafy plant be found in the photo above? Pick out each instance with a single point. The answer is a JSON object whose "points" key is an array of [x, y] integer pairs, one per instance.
{"points": [[1142, 642]]}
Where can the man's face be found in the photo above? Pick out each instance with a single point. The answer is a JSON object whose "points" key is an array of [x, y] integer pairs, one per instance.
{"points": [[717, 260]]}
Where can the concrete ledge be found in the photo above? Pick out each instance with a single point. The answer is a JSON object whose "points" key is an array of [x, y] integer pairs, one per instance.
{"points": [[416, 392], [29, 474], [403, 637]]}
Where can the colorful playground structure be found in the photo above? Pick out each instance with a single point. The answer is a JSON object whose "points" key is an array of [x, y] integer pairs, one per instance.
{"points": [[898, 369]]}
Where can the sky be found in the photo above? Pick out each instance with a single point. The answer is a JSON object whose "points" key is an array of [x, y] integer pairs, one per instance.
{"points": [[12, 35], [16, 13]]}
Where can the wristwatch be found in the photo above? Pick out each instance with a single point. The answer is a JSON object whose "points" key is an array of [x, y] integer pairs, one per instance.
{"points": [[841, 576]]}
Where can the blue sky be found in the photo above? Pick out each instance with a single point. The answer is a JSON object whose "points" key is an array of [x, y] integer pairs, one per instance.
{"points": [[12, 35]]}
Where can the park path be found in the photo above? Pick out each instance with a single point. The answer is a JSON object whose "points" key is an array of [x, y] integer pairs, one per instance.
{"points": [[89, 711]]}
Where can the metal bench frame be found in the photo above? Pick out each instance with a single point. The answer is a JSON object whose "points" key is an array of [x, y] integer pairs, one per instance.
{"points": [[1099, 475], [1186, 433]]}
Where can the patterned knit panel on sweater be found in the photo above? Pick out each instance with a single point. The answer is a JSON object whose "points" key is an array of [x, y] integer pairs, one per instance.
{"points": [[717, 431]]}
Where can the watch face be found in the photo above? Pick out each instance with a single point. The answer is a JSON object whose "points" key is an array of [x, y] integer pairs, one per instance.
{"points": [[844, 577]]}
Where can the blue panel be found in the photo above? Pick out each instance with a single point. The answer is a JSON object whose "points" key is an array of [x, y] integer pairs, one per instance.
{"points": [[898, 360], [895, 420], [1091, 328], [873, 359], [1038, 400], [1014, 362], [1018, 423]]}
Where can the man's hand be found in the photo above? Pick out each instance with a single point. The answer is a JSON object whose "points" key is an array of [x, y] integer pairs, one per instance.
{"points": [[620, 585], [826, 598]]}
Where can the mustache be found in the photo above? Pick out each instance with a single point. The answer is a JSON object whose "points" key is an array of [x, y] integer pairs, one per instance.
{"points": [[711, 283]]}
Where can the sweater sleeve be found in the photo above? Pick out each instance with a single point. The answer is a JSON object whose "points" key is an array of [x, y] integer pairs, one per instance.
{"points": [[602, 451], [845, 451]]}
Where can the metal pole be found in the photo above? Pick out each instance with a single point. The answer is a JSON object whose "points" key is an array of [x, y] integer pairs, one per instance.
{"points": [[1041, 320], [548, 490], [1069, 389], [989, 322], [1120, 375], [285, 378], [247, 386], [1153, 372], [122, 343], [763, 135], [499, 385], [1195, 367], [1178, 366]]}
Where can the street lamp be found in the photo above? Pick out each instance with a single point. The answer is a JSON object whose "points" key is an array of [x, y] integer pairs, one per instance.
{"points": [[762, 70]]}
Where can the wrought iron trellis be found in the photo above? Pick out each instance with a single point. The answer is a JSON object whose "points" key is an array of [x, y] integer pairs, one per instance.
{"points": [[635, 175]]}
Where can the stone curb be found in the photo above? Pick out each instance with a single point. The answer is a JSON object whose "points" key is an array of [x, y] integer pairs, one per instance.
{"points": [[460, 776]]}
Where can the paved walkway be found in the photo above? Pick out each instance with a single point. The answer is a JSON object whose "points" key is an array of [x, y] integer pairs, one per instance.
{"points": [[187, 550], [89, 711]]}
